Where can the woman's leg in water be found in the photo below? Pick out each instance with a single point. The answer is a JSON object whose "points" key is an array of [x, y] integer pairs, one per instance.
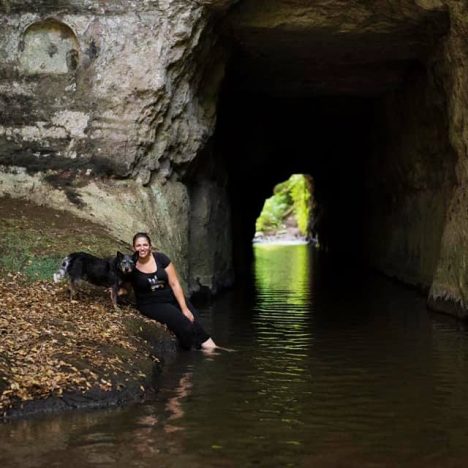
{"points": [[202, 339], [171, 316]]}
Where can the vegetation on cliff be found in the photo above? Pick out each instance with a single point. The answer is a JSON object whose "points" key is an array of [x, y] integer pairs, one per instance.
{"points": [[290, 206]]}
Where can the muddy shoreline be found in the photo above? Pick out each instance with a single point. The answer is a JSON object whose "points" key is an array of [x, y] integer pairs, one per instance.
{"points": [[59, 355]]}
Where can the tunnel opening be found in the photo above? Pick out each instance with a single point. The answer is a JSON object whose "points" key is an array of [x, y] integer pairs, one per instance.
{"points": [[362, 111], [264, 139], [288, 214]]}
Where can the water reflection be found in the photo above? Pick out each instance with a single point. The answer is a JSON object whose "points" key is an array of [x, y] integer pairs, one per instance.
{"points": [[282, 271], [174, 402], [330, 370], [283, 301]]}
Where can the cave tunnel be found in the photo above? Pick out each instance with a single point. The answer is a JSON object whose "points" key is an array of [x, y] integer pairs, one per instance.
{"points": [[270, 139], [342, 108]]}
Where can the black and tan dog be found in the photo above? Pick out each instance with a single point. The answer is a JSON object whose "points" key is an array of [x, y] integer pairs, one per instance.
{"points": [[82, 266]]}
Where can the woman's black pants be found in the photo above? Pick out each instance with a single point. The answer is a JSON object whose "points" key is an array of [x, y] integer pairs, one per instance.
{"points": [[190, 334]]}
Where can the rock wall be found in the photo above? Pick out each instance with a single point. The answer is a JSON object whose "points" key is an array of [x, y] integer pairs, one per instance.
{"points": [[409, 181], [419, 176], [210, 238], [104, 107], [449, 289]]}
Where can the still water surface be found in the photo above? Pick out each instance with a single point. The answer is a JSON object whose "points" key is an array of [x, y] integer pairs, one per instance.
{"points": [[331, 369]]}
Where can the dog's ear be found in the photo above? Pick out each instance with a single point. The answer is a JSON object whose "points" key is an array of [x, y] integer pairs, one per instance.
{"points": [[119, 255]]}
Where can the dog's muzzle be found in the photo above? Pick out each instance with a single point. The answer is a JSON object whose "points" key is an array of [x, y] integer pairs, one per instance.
{"points": [[127, 267]]}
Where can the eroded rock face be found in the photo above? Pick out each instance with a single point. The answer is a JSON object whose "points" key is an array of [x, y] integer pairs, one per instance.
{"points": [[133, 82], [410, 181], [48, 47], [449, 289], [92, 92], [333, 47], [421, 216]]}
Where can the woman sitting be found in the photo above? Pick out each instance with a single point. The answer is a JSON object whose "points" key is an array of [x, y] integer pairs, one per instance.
{"points": [[159, 295]]}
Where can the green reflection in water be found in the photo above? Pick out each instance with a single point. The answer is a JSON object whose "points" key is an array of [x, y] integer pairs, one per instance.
{"points": [[284, 268], [378, 383]]}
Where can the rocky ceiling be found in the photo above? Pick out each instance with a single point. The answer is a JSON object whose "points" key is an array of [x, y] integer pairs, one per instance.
{"points": [[331, 47]]}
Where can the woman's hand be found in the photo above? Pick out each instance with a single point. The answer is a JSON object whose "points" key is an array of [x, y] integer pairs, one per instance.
{"points": [[188, 314], [177, 290]]}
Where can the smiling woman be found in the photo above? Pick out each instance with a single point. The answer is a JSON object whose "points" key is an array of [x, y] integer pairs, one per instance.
{"points": [[159, 296]]}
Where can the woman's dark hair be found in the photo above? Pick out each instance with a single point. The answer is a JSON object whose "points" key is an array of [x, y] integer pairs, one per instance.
{"points": [[141, 234]]}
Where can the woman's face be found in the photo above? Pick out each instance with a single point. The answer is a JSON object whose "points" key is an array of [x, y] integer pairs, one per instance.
{"points": [[142, 247]]}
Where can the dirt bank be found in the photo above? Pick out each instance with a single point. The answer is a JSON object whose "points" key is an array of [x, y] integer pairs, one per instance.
{"points": [[56, 354]]}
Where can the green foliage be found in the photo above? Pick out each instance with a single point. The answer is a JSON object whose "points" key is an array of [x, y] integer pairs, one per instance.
{"points": [[301, 195], [273, 213], [290, 198]]}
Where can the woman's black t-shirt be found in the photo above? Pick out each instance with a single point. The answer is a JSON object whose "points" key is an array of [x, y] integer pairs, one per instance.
{"points": [[153, 287]]}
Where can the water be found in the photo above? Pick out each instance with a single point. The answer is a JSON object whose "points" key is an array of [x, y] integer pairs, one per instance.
{"points": [[331, 369]]}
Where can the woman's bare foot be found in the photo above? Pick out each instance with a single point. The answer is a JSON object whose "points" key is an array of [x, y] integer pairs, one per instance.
{"points": [[209, 346]]}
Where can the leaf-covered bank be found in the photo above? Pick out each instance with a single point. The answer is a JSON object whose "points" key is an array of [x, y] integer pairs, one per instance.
{"points": [[57, 354]]}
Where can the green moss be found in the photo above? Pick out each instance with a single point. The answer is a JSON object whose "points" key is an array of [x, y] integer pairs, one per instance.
{"points": [[34, 239]]}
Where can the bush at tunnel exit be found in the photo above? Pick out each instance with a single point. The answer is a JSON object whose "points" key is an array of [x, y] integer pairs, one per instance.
{"points": [[290, 205]]}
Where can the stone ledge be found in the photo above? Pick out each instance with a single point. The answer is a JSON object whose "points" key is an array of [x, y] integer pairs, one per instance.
{"points": [[447, 306]]}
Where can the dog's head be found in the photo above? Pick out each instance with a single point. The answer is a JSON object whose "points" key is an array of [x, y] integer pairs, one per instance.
{"points": [[125, 263]]}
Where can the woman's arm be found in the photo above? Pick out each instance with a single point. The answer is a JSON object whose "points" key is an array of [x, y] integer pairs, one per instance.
{"points": [[177, 290]]}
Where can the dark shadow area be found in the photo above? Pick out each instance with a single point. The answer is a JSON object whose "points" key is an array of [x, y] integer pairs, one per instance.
{"points": [[264, 139], [359, 108]]}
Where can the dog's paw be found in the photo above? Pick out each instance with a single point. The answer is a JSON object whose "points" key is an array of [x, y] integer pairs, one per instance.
{"points": [[57, 277]]}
